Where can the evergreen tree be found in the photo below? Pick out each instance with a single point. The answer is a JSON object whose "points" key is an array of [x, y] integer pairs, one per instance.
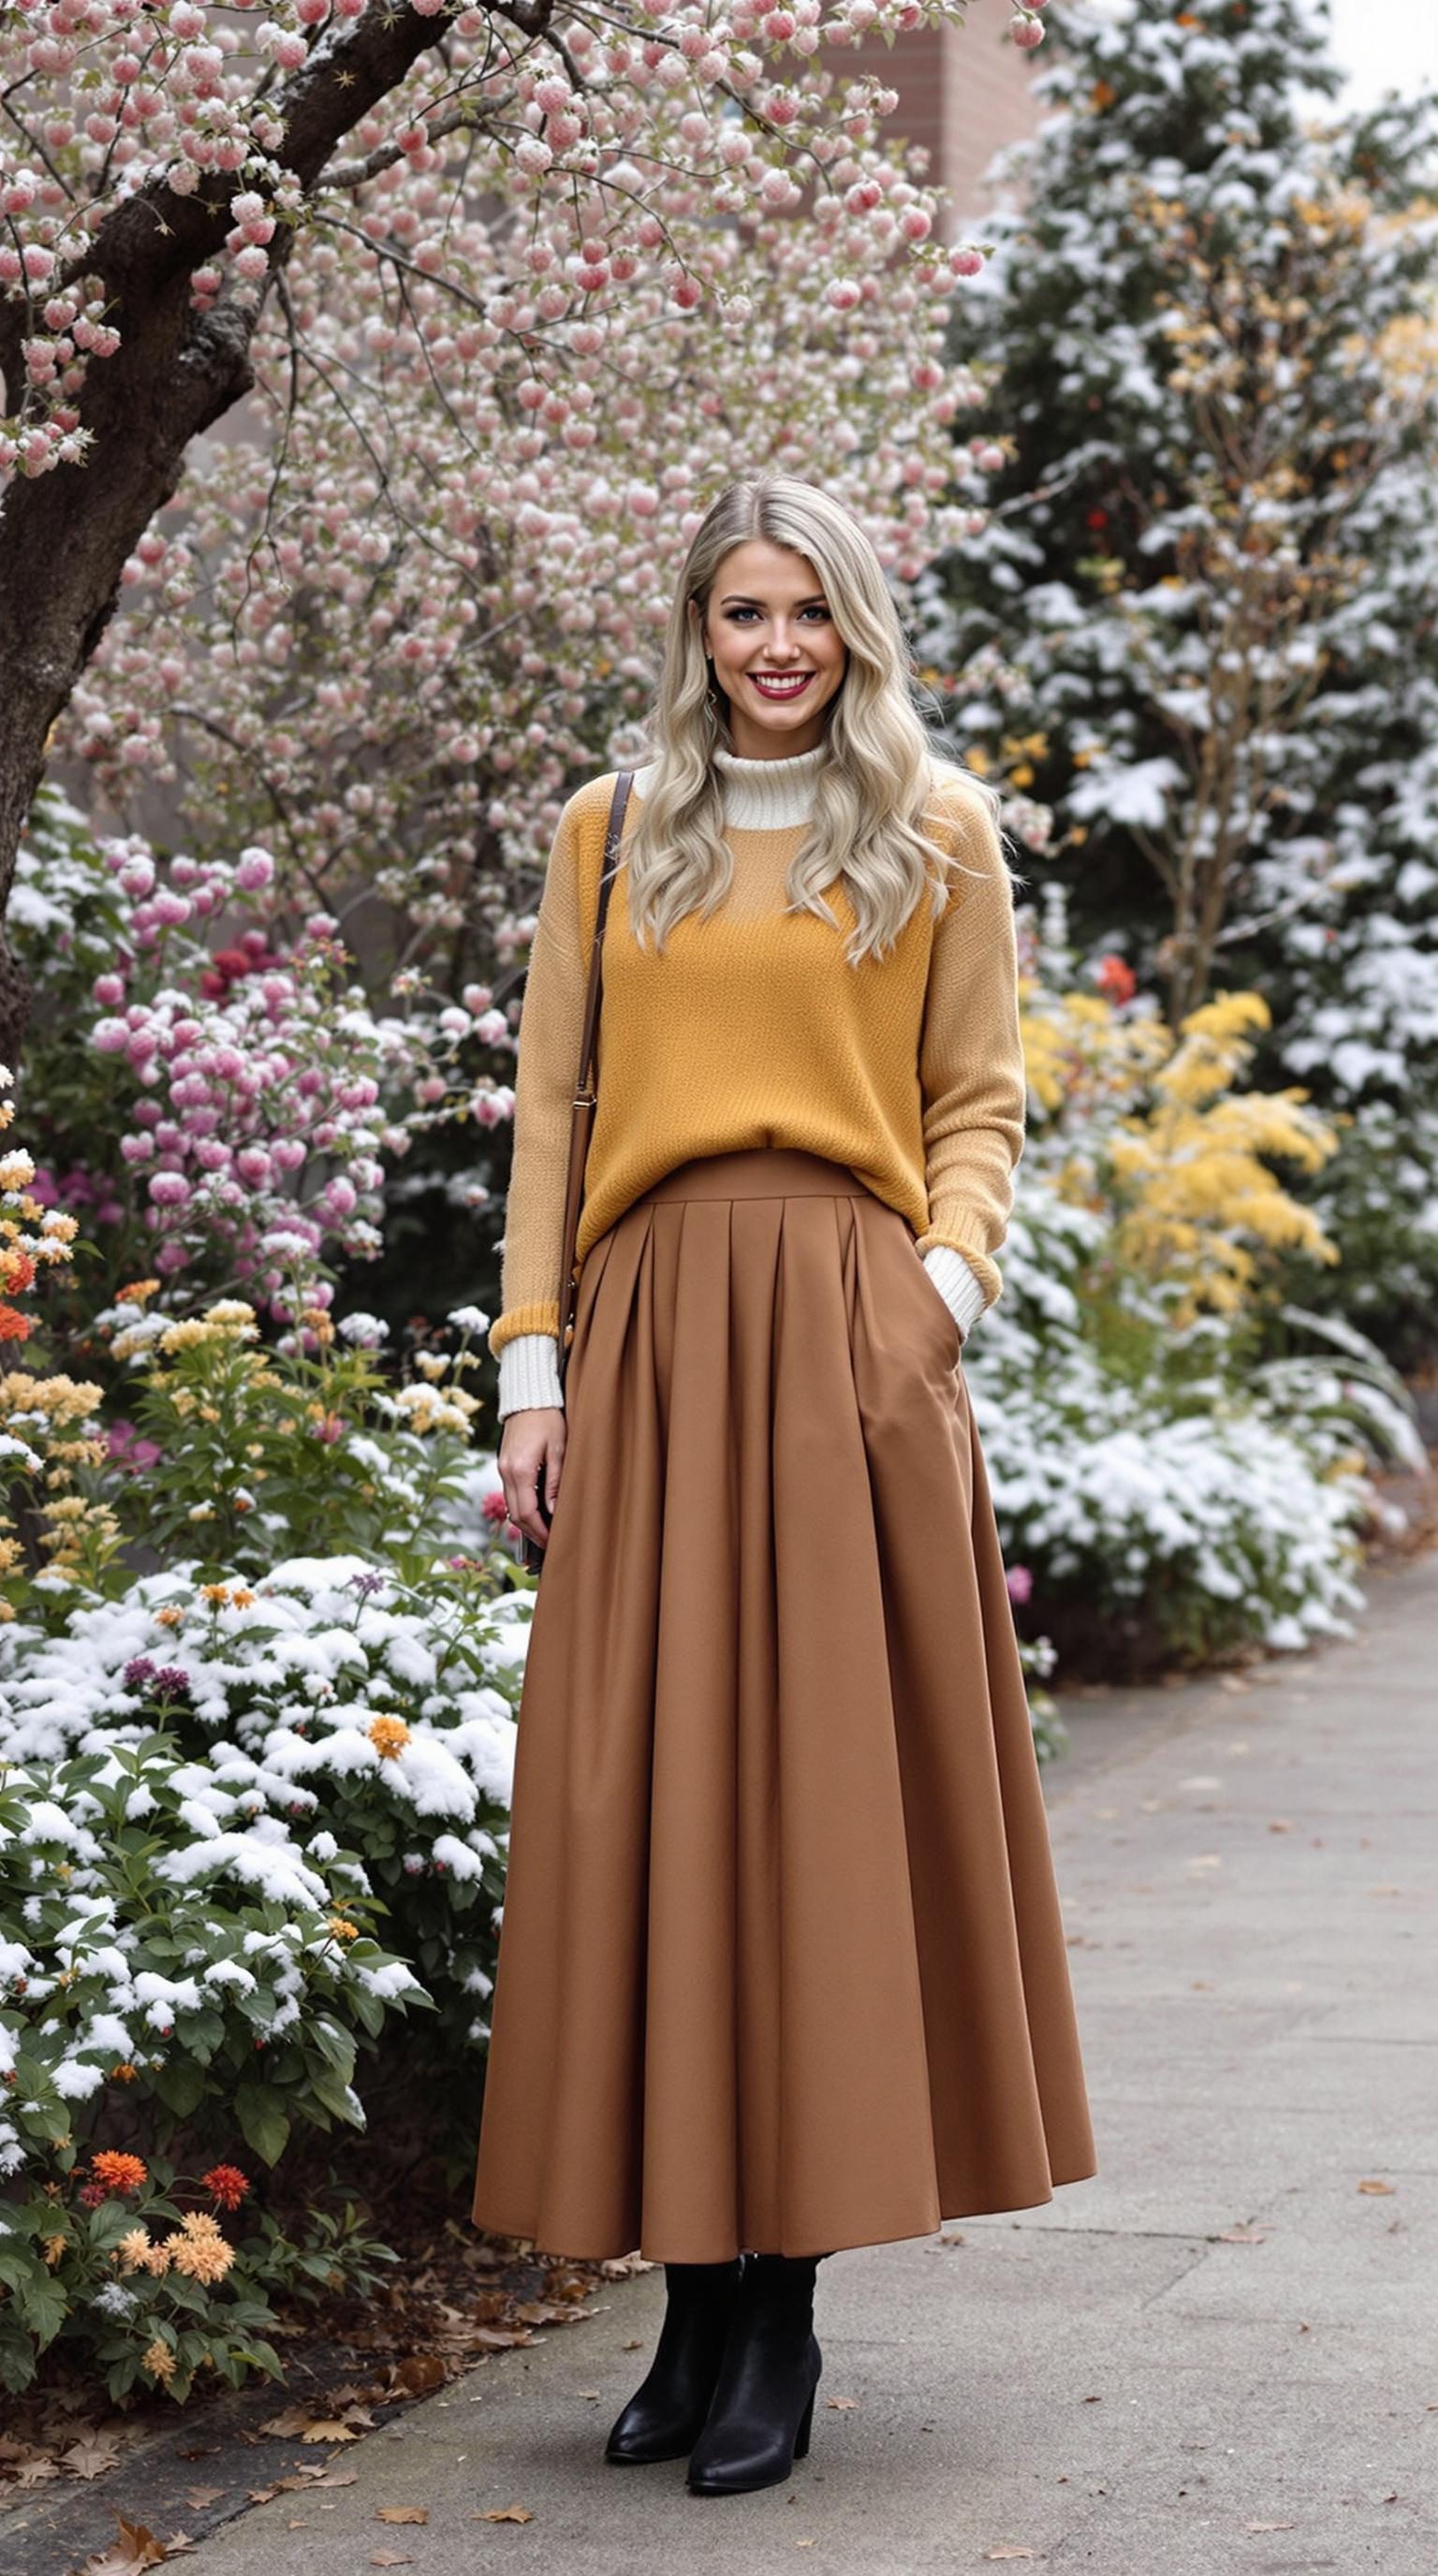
{"points": [[1196, 639]]}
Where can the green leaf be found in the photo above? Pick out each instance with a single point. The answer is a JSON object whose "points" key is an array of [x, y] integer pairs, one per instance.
{"points": [[265, 2124]]}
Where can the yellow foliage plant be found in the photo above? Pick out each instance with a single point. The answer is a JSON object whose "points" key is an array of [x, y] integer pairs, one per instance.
{"points": [[1156, 1129]]}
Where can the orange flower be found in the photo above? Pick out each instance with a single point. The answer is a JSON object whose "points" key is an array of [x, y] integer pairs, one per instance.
{"points": [[118, 2173], [389, 1736], [14, 1327], [137, 1292], [219, 1593], [123, 2074], [173, 1618], [159, 2361], [54, 2248], [17, 1271], [343, 1931]]}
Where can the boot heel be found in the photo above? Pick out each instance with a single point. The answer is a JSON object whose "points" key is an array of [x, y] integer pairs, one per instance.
{"points": [[806, 2420]]}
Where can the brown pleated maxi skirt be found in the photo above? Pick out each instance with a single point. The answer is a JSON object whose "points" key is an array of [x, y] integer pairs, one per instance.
{"points": [[781, 1965]]}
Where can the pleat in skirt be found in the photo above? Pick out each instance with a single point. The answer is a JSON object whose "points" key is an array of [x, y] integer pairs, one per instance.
{"points": [[781, 1963]]}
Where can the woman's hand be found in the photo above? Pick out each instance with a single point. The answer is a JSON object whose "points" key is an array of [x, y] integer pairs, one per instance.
{"points": [[531, 1446]]}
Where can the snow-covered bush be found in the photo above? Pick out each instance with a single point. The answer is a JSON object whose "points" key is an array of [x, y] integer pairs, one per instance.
{"points": [[1176, 1466], [364, 1729], [173, 1962]]}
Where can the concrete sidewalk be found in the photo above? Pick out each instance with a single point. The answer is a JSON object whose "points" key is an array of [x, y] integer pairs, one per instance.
{"points": [[1220, 2354]]}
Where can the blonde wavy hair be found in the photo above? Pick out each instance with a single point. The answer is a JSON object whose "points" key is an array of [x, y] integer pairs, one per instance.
{"points": [[874, 791]]}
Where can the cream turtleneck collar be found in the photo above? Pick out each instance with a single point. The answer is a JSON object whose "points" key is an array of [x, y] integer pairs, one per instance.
{"points": [[761, 795]]}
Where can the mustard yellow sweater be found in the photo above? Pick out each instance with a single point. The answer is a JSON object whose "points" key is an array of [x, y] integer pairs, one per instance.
{"points": [[751, 1030]]}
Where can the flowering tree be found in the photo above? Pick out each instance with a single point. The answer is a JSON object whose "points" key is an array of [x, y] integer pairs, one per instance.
{"points": [[466, 257]]}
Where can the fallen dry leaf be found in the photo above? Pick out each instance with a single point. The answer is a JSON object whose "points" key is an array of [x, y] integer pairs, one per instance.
{"points": [[841, 2403], [34, 2471], [420, 2370], [198, 2497], [132, 2548], [1242, 2236], [500, 2338], [402, 2513], [509, 2513], [389, 2558], [292, 2421], [635, 2344], [328, 2428], [89, 2459], [1270, 2526], [1378, 2188], [1009, 2549]]}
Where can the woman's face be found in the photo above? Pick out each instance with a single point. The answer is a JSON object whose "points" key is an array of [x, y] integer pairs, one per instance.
{"points": [[776, 652]]}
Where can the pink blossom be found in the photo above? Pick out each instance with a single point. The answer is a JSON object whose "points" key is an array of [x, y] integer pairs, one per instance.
{"points": [[1020, 1582]]}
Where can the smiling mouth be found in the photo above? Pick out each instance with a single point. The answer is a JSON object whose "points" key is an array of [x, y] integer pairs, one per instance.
{"points": [[772, 684]]}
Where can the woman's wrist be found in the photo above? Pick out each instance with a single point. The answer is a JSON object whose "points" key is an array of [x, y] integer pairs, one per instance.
{"points": [[961, 1291], [529, 1373]]}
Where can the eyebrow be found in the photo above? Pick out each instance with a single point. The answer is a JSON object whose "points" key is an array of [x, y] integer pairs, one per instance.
{"points": [[741, 599]]}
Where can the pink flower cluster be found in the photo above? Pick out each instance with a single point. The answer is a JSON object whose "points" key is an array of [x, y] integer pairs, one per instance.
{"points": [[259, 1127]]}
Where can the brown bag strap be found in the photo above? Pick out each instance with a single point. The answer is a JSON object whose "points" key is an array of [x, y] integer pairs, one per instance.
{"points": [[585, 1088]]}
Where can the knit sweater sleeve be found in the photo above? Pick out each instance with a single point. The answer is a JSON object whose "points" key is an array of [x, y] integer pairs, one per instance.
{"points": [[971, 1060], [551, 1028]]}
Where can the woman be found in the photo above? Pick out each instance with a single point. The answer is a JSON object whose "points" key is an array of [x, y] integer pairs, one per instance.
{"points": [[781, 1967]]}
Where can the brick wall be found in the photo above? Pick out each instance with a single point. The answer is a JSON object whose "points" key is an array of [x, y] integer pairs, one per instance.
{"points": [[963, 92]]}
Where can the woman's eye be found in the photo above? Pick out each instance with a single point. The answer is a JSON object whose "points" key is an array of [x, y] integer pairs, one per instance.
{"points": [[740, 616]]}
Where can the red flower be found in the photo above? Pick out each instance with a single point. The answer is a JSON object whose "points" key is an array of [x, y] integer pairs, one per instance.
{"points": [[1097, 519], [226, 2184], [14, 1327], [91, 2194], [1116, 979]]}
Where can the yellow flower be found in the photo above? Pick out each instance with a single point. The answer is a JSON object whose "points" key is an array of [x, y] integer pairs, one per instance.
{"points": [[389, 1736], [54, 2248], [133, 2248], [199, 2250], [219, 1593], [230, 1311], [240, 1599], [137, 1292], [159, 2361], [342, 1931], [156, 2261], [171, 1618]]}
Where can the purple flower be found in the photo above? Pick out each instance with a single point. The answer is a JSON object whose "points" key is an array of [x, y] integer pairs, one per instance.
{"points": [[128, 1449], [365, 1584], [171, 1682], [138, 1672], [1020, 1582]]}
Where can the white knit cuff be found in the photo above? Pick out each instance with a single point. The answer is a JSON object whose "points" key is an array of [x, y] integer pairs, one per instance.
{"points": [[529, 1373], [956, 1284]]}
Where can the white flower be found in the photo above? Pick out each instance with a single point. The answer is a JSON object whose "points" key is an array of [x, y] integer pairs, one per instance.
{"points": [[364, 1332], [469, 1319]]}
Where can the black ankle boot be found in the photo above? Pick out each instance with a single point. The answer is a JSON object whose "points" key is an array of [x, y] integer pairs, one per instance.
{"points": [[763, 2409], [667, 2412]]}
